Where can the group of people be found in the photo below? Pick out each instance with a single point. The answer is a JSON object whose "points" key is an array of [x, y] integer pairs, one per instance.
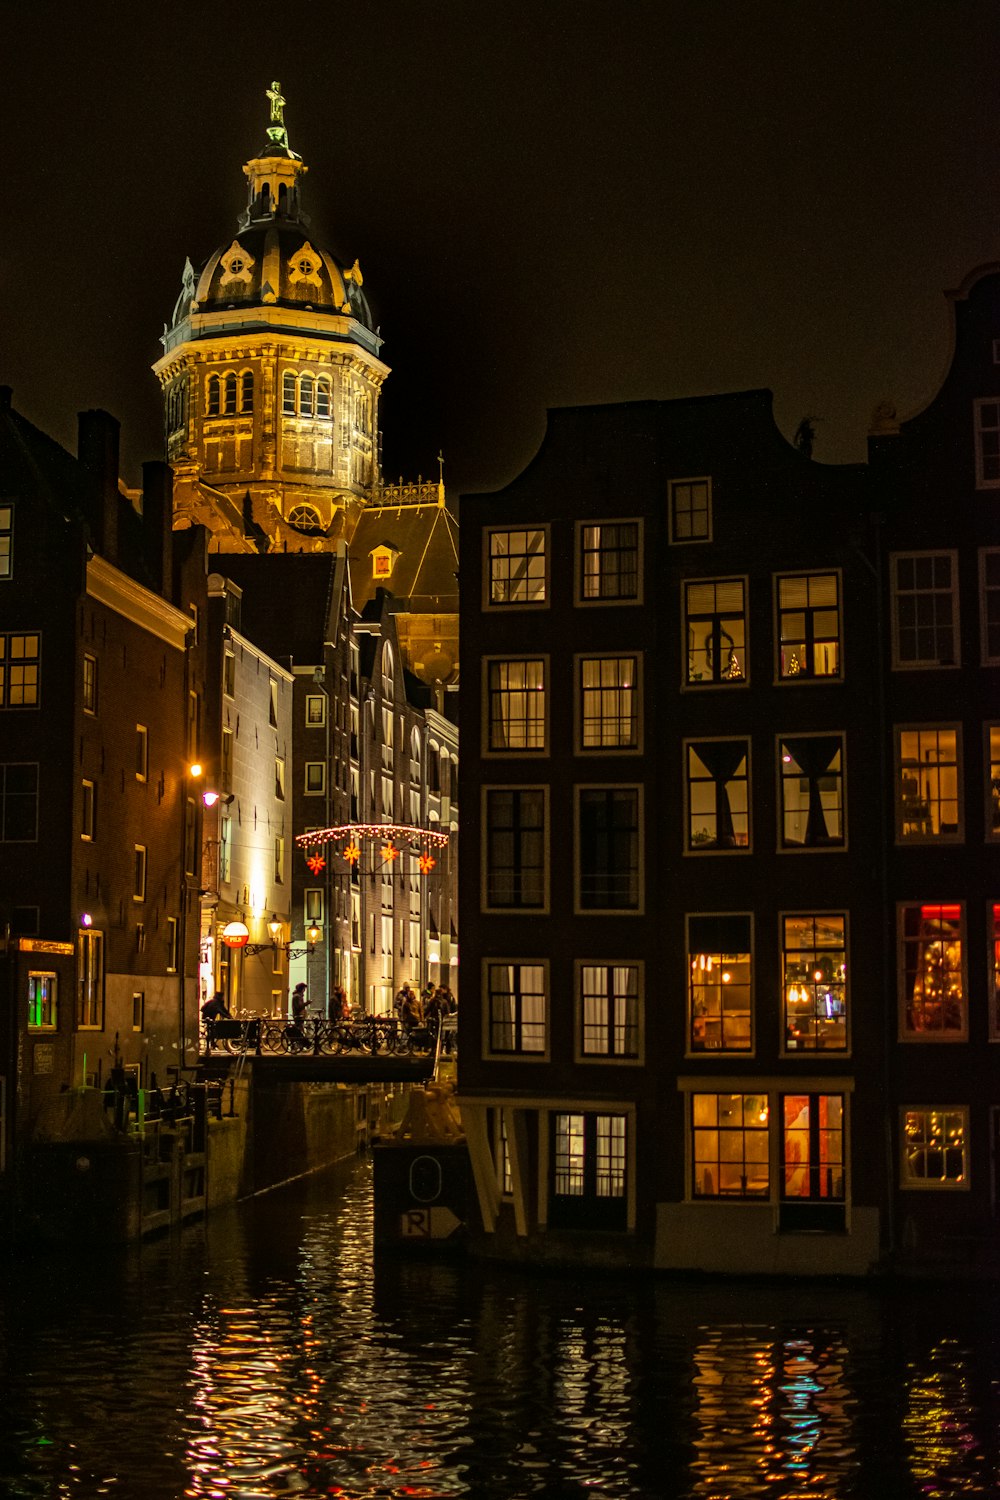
{"points": [[431, 1007]]}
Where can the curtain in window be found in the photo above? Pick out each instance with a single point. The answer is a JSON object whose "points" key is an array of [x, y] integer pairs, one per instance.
{"points": [[814, 756], [722, 759]]}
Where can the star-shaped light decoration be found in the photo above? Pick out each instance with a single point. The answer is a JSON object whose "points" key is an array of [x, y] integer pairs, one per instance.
{"points": [[427, 863], [352, 853], [389, 852], [316, 862]]}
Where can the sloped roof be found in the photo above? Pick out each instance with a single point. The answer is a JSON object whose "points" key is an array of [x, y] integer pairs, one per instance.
{"points": [[425, 572], [291, 600], [33, 464]]}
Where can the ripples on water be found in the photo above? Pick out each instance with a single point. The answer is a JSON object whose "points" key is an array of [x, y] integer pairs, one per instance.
{"points": [[263, 1356]]}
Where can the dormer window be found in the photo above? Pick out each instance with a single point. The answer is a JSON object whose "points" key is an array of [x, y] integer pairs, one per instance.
{"points": [[236, 264], [304, 265], [383, 560]]}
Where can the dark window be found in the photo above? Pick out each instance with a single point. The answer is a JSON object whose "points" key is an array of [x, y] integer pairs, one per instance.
{"points": [[609, 848], [515, 847], [609, 561], [246, 391], [18, 803], [6, 540], [924, 596]]}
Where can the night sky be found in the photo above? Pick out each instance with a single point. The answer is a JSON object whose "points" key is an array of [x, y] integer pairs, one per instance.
{"points": [[552, 202]]}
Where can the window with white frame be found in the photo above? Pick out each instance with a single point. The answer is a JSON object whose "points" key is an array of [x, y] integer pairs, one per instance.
{"points": [[987, 432], [88, 810], [312, 906], [20, 669], [516, 1008], [229, 674], [279, 777], [279, 861], [989, 604], [315, 710], [226, 761], [89, 684], [808, 635], [225, 848], [315, 778], [690, 510], [929, 784], [994, 970], [141, 752], [609, 1004], [89, 979], [173, 945], [925, 609], [609, 562], [934, 1146], [42, 993], [715, 628], [518, 573], [6, 540], [720, 982], [932, 971], [515, 873], [609, 848], [138, 1009], [229, 394], [139, 873], [811, 786], [814, 981], [272, 706], [717, 783], [608, 697], [305, 395], [516, 703], [588, 1173], [730, 1155]]}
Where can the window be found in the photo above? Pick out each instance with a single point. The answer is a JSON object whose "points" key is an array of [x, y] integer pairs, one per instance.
{"points": [[609, 562], [729, 1146], [315, 710], [272, 707], [516, 704], [715, 630], [246, 392], [141, 752], [19, 670], [226, 760], [90, 684], [515, 847], [690, 510], [720, 973], [88, 810], [279, 778], [42, 991], [214, 396], [517, 567], [812, 1154], [225, 848], [928, 784], [989, 603], [993, 801], [323, 397], [987, 427], [312, 906], [138, 1009], [934, 1148], [608, 702], [925, 609], [139, 873], [814, 981], [305, 396], [279, 861], [193, 723], [18, 803], [89, 979], [6, 540], [932, 970], [588, 1153], [229, 674], [609, 1011], [315, 785], [811, 781], [718, 795], [190, 837], [808, 633], [994, 965], [516, 1009], [609, 849], [307, 390], [173, 950]]}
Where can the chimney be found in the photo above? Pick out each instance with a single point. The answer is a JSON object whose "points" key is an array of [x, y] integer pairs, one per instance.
{"points": [[97, 449], [157, 524]]}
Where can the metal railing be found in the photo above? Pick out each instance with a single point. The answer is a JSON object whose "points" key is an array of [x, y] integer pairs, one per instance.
{"points": [[371, 1036]]}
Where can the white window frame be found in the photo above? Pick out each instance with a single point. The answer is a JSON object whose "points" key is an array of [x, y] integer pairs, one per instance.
{"points": [[922, 664], [314, 719], [520, 1055], [314, 771], [984, 595], [579, 698], [507, 606], [587, 601], [606, 1059], [938, 1036], [675, 485], [958, 836], [534, 751], [800, 679], [979, 408], [910, 1182]]}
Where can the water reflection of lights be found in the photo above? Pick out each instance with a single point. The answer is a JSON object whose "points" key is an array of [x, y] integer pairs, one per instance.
{"points": [[944, 1455]]}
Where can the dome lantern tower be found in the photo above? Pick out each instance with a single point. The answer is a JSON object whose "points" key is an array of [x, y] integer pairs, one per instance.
{"points": [[273, 176]]}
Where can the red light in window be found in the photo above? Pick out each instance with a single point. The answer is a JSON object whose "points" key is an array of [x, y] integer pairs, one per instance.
{"points": [[941, 913]]}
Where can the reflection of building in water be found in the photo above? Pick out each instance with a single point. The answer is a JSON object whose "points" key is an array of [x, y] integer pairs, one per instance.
{"points": [[945, 1456]]}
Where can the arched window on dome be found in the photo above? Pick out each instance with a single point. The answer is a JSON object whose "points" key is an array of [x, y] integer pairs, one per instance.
{"points": [[288, 394], [324, 397], [246, 391], [307, 393], [230, 394], [305, 518], [214, 404]]}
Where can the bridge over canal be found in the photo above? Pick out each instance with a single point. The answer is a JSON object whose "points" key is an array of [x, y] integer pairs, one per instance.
{"points": [[370, 1049]]}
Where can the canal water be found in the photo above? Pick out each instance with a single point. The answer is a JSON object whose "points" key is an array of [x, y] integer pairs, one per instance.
{"points": [[265, 1354]]}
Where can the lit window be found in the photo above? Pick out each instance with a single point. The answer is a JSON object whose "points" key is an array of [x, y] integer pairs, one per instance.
{"points": [[715, 630], [315, 710], [925, 610], [814, 981], [229, 674], [18, 803], [808, 625], [989, 602], [720, 973], [226, 761], [88, 808], [515, 847], [995, 971], [90, 684], [729, 1146], [516, 698], [141, 752], [929, 799], [139, 873], [315, 778], [324, 404], [246, 392], [279, 778], [138, 1009], [812, 791], [608, 689], [812, 1142], [609, 1010], [172, 944], [42, 990], [588, 1171], [306, 396], [312, 906], [718, 795], [19, 670], [225, 848], [279, 861], [288, 394], [608, 848], [690, 510], [517, 563], [89, 979], [987, 428], [609, 562], [272, 708], [214, 406], [934, 1148], [230, 394], [516, 1008], [932, 971], [6, 540]]}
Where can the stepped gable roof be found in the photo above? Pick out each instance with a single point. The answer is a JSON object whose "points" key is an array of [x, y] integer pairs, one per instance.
{"points": [[424, 540], [288, 600]]}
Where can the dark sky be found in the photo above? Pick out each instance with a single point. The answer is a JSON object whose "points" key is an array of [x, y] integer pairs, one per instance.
{"points": [[552, 202]]}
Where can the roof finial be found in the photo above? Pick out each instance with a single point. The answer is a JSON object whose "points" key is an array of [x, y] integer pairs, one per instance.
{"points": [[440, 477], [276, 130]]}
